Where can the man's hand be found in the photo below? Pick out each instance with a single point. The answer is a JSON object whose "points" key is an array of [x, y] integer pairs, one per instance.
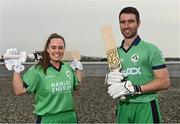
{"points": [[123, 89], [75, 64], [113, 77], [14, 64]]}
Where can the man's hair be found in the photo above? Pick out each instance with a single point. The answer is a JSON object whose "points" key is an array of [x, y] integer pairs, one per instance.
{"points": [[130, 10], [45, 61]]}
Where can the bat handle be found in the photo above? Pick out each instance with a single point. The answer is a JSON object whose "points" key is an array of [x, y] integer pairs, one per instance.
{"points": [[122, 98], [31, 56]]}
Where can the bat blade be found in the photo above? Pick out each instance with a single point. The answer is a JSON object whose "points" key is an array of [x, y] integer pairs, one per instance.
{"points": [[71, 55], [111, 48]]}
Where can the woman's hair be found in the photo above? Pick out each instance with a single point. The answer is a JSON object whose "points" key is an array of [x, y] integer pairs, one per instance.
{"points": [[45, 61]]}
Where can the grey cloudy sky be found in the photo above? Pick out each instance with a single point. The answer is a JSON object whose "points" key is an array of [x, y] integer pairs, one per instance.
{"points": [[26, 24]]}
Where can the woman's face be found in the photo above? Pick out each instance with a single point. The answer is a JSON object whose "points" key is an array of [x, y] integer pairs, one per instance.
{"points": [[56, 49]]}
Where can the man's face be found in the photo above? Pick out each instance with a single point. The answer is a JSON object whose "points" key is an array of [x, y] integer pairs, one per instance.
{"points": [[56, 49], [128, 25]]}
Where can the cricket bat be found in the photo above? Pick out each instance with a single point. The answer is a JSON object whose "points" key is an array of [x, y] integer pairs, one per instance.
{"points": [[111, 50], [68, 55]]}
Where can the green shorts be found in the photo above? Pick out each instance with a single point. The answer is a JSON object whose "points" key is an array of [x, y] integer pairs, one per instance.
{"points": [[66, 117], [138, 112]]}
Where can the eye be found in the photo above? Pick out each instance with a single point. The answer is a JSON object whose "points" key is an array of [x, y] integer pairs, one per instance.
{"points": [[61, 47], [53, 47], [122, 22], [131, 21]]}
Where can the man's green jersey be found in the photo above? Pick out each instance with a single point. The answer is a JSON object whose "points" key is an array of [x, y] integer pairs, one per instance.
{"points": [[138, 64], [53, 91]]}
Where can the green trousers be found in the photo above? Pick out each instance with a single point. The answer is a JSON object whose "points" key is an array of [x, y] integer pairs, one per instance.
{"points": [[138, 112], [60, 118]]}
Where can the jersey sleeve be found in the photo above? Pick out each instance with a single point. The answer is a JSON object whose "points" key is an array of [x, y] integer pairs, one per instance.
{"points": [[157, 60], [30, 78], [75, 81]]}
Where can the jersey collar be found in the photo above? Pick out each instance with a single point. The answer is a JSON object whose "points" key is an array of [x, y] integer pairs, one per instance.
{"points": [[135, 42], [58, 69]]}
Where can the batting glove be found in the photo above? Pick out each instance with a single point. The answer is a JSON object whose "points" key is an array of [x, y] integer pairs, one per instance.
{"points": [[15, 64], [124, 88], [75, 64], [113, 77]]}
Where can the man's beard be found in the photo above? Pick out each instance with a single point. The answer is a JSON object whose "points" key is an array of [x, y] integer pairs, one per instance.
{"points": [[129, 36]]}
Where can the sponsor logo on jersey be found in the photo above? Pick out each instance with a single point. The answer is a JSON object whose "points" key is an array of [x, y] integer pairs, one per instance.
{"points": [[135, 57], [61, 86], [131, 71]]}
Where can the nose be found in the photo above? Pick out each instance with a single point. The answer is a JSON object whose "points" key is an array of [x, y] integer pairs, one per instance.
{"points": [[126, 25], [57, 50]]}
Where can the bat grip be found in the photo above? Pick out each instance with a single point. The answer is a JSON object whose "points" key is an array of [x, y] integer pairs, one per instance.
{"points": [[122, 98], [31, 56]]}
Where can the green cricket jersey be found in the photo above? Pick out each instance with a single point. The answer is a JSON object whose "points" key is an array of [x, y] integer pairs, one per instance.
{"points": [[53, 92], [138, 63]]}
